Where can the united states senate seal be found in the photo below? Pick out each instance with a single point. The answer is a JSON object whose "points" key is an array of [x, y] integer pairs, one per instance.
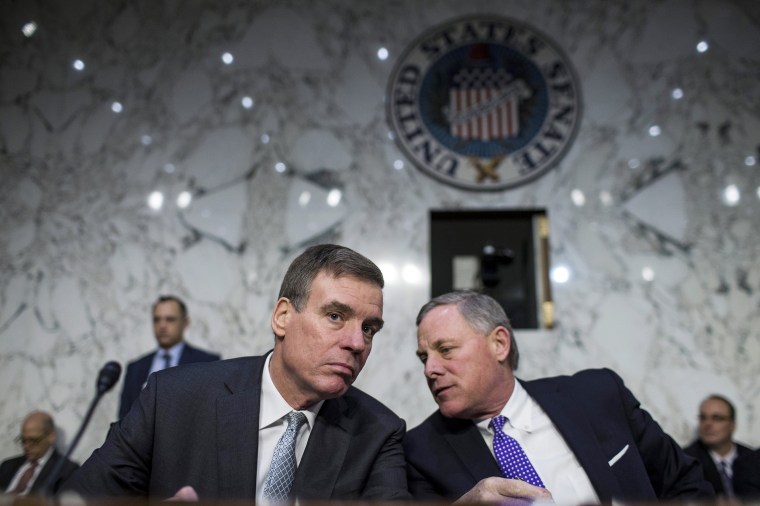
{"points": [[483, 102]]}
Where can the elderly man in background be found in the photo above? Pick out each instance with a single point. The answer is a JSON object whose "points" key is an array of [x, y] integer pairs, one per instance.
{"points": [[27, 474]]}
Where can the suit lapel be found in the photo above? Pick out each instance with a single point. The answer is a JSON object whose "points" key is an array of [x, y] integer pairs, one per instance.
{"points": [[316, 474], [576, 429], [237, 423], [45, 472], [463, 436]]}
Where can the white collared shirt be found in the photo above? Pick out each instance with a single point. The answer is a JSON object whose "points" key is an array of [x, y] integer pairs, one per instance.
{"points": [[553, 460], [21, 470], [158, 359], [272, 425]]}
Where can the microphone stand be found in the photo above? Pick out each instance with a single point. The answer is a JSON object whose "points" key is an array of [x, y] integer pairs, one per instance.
{"points": [[107, 378]]}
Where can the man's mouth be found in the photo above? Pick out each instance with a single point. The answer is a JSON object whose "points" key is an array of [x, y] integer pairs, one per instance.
{"points": [[344, 369]]}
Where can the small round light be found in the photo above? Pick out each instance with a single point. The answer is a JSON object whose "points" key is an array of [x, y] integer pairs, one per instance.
{"points": [[560, 274], [647, 274], [280, 167], [264, 138], [750, 161], [169, 168], [333, 197], [247, 102], [411, 274], [146, 140], [227, 58], [634, 163], [578, 198], [304, 198], [605, 197], [382, 54], [654, 130], [702, 46], [117, 107], [398, 164], [29, 28], [78, 65], [390, 273], [184, 199], [156, 200], [677, 94], [731, 195]]}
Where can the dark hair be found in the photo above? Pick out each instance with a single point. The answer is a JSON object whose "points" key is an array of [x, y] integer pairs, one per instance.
{"points": [[481, 311], [168, 298], [332, 259], [731, 409]]}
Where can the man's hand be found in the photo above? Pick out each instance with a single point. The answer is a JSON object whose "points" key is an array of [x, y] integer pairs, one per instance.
{"points": [[504, 491], [185, 494]]}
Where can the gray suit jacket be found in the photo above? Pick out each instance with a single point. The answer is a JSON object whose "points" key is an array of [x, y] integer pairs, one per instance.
{"points": [[198, 425]]}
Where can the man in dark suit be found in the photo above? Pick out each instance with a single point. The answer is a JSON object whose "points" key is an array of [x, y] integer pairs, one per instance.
{"points": [[714, 447], [28, 474], [170, 319], [576, 439], [281, 426]]}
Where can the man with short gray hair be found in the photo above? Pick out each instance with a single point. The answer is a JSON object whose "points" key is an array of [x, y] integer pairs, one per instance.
{"points": [[577, 439]]}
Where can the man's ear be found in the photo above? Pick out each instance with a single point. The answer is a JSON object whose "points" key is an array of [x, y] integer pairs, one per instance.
{"points": [[281, 316], [500, 343]]}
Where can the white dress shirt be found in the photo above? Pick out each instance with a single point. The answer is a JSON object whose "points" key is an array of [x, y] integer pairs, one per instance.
{"points": [[272, 425], [553, 460], [21, 470], [727, 458]]}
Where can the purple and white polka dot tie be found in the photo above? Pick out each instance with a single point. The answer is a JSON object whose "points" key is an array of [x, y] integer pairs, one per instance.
{"points": [[513, 462]]}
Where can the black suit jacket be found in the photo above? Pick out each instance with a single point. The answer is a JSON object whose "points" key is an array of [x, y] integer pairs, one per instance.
{"points": [[198, 425], [700, 452], [747, 475], [599, 419], [137, 373], [9, 468]]}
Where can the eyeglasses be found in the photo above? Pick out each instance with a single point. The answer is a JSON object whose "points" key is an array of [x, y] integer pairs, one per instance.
{"points": [[33, 441], [714, 418]]}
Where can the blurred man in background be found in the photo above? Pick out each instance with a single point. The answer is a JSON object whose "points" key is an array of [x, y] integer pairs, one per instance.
{"points": [[170, 319], [27, 474], [714, 447]]}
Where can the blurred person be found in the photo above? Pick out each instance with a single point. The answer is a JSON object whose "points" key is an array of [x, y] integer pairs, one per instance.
{"points": [[714, 447], [27, 474], [275, 427], [170, 319], [578, 439]]}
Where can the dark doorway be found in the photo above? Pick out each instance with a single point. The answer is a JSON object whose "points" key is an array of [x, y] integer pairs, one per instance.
{"points": [[501, 253]]}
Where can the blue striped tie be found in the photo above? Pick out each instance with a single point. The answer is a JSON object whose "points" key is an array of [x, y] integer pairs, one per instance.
{"points": [[279, 482]]}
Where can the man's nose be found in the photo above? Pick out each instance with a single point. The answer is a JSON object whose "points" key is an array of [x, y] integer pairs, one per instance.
{"points": [[354, 338], [432, 367]]}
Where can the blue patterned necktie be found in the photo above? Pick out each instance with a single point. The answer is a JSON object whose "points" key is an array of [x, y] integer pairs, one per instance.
{"points": [[167, 359], [513, 462], [728, 487], [283, 470]]}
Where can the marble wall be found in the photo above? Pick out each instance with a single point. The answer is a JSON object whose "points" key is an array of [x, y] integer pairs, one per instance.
{"points": [[234, 111]]}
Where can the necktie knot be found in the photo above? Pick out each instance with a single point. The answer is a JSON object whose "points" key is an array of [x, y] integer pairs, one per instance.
{"points": [[167, 359], [497, 423]]}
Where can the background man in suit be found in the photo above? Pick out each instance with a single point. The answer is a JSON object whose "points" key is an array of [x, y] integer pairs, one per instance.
{"points": [[714, 446], [578, 439], [28, 473], [170, 320], [219, 430]]}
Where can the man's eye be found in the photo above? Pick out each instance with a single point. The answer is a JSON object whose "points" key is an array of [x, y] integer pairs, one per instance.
{"points": [[334, 317], [423, 358], [369, 330]]}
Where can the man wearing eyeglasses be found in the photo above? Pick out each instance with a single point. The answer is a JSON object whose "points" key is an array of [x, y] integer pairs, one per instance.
{"points": [[27, 474], [714, 447]]}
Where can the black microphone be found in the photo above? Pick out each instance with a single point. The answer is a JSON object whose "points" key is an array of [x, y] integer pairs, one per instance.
{"points": [[107, 378]]}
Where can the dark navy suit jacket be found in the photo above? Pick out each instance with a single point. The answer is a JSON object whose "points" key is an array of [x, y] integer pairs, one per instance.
{"points": [[700, 452], [9, 468], [137, 373], [198, 425], [599, 419]]}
